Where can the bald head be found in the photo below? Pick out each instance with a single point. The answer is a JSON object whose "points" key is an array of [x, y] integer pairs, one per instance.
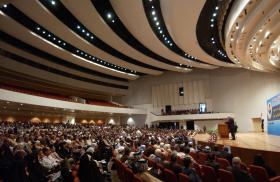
{"points": [[236, 162]]}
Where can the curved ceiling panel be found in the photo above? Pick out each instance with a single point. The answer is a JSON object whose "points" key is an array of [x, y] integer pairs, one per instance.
{"points": [[47, 20], [84, 10], [155, 18], [144, 33], [65, 16], [181, 19], [252, 27], [53, 64], [108, 14], [51, 58], [20, 32], [27, 66]]}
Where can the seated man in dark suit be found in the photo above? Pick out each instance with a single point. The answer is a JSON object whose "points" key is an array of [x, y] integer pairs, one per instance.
{"points": [[212, 163], [173, 165], [238, 173]]}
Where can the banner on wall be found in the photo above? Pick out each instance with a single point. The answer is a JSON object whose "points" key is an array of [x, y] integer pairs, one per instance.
{"points": [[273, 115]]}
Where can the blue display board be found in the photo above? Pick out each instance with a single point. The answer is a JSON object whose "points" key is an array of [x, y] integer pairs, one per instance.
{"points": [[273, 115]]}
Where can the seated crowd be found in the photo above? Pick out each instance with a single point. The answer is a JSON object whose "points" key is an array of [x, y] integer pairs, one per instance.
{"points": [[87, 153]]}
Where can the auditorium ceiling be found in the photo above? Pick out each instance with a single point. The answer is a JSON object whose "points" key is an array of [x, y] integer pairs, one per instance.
{"points": [[100, 45]]}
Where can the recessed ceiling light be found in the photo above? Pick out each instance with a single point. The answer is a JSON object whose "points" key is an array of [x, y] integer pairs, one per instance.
{"points": [[49, 35], [160, 31], [155, 18], [59, 41], [109, 15], [38, 28], [91, 37], [83, 30], [157, 23], [217, 8], [5, 5], [78, 27], [53, 2], [153, 12], [44, 32], [214, 14], [113, 21], [152, 7], [212, 25], [87, 34], [212, 20]]}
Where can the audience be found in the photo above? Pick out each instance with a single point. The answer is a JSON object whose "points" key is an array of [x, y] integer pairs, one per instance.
{"points": [[238, 173], [85, 153], [259, 161]]}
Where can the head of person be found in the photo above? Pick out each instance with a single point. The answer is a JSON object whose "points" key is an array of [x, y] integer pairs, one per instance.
{"points": [[236, 162], [173, 157], [211, 157], [186, 150], [216, 148], [187, 162], [259, 160], [46, 151], [142, 165]]}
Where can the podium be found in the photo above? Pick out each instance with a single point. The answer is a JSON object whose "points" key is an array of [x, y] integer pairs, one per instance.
{"points": [[223, 130]]}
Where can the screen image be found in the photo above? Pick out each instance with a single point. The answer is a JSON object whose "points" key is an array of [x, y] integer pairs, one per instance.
{"points": [[202, 107]]}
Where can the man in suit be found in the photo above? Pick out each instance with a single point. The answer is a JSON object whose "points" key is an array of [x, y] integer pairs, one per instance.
{"points": [[231, 127], [238, 173]]}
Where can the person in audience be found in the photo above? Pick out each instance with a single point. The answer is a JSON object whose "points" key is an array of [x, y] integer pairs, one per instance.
{"points": [[142, 172], [173, 165], [212, 163], [88, 170], [259, 161], [239, 174], [190, 171], [226, 154]]}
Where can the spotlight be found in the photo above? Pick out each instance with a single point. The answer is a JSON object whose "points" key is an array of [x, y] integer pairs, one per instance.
{"points": [[153, 12], [5, 5], [214, 14], [212, 25], [216, 8], [53, 2], [38, 28], [78, 27]]}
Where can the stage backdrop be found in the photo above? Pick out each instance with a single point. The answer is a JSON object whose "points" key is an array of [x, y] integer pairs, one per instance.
{"points": [[273, 115]]}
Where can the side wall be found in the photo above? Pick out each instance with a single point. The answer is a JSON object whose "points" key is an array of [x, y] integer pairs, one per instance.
{"points": [[238, 91]]}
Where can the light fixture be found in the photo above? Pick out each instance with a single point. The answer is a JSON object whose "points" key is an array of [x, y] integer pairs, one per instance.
{"points": [[214, 14], [38, 28], [267, 34], [78, 27], [212, 20], [109, 15], [53, 2], [217, 8], [212, 25], [155, 18], [153, 12], [5, 5], [157, 23]]}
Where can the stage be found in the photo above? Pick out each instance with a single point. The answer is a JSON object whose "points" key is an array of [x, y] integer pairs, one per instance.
{"points": [[257, 141], [247, 145]]}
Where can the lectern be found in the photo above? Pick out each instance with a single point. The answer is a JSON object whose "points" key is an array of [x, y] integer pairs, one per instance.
{"points": [[223, 130]]}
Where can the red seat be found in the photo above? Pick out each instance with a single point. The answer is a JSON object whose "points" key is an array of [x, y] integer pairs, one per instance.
{"points": [[208, 174], [180, 161], [226, 176], [151, 163], [243, 167], [260, 174], [169, 176], [202, 157], [197, 168], [136, 179], [194, 155], [223, 163], [183, 178], [128, 174]]}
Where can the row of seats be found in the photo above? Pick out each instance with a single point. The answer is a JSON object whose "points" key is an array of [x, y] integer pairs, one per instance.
{"points": [[208, 174]]}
